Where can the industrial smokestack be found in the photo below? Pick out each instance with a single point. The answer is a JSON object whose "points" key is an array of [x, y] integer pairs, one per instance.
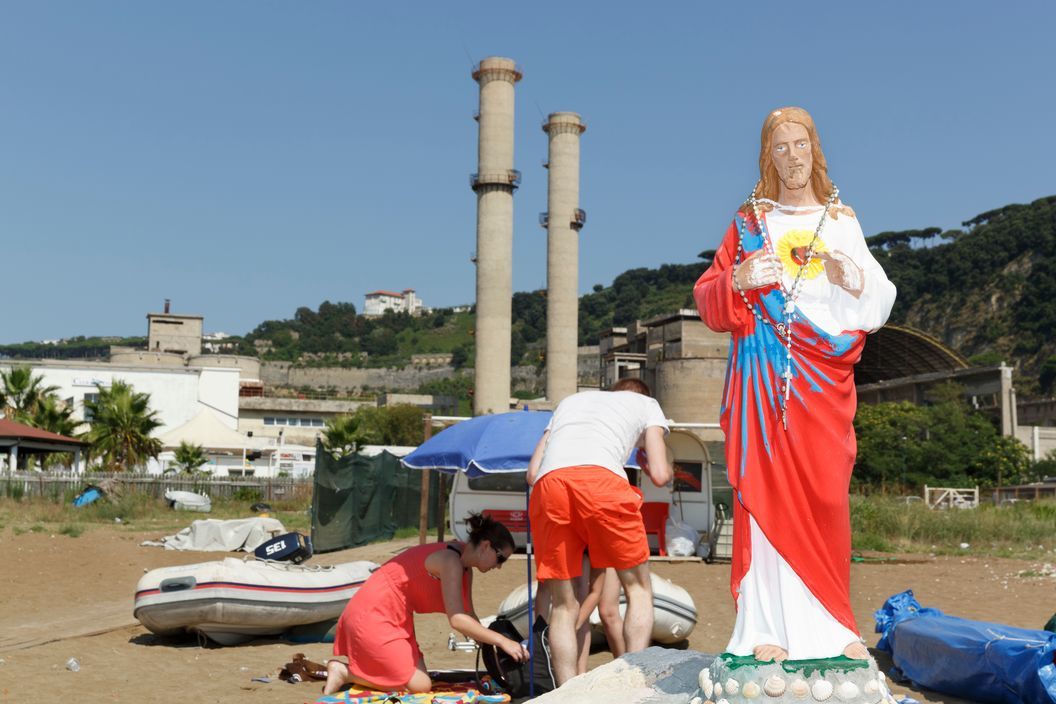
{"points": [[562, 221], [494, 184]]}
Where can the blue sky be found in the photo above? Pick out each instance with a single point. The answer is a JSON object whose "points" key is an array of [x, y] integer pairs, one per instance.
{"points": [[247, 158]]}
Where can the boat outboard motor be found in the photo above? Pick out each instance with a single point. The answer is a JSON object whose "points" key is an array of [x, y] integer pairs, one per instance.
{"points": [[290, 547]]}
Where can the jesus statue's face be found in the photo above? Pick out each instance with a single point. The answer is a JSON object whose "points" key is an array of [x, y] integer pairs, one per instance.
{"points": [[792, 156]]}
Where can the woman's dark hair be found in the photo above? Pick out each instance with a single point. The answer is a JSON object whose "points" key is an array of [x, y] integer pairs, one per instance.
{"points": [[487, 528]]}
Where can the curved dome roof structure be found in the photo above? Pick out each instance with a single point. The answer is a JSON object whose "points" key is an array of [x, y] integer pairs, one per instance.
{"points": [[897, 351]]}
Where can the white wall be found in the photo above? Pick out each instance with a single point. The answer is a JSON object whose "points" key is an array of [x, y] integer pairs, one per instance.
{"points": [[1041, 440], [177, 394]]}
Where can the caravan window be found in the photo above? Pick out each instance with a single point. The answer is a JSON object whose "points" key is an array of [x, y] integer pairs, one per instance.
{"points": [[721, 491], [504, 481], [689, 476]]}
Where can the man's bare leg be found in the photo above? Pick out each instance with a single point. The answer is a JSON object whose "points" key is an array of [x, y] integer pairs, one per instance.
{"points": [[638, 620], [609, 610], [856, 651], [768, 652], [563, 612]]}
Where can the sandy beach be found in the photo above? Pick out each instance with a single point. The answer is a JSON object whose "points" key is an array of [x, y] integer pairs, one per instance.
{"points": [[66, 597]]}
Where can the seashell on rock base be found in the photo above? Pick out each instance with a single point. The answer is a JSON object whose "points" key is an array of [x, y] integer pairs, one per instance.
{"points": [[774, 686], [821, 690], [847, 691]]}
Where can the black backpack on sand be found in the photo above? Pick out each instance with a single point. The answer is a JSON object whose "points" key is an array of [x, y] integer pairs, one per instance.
{"points": [[514, 676]]}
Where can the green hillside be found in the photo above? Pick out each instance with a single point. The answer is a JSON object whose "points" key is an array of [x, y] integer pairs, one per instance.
{"points": [[987, 290]]}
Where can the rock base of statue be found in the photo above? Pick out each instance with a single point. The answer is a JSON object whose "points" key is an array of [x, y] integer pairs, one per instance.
{"points": [[734, 679]]}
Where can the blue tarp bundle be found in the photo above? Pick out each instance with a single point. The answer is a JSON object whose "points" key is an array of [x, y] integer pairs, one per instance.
{"points": [[87, 496], [983, 662]]}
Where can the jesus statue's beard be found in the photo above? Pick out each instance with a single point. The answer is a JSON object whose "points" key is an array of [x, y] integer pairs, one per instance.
{"points": [[794, 177]]}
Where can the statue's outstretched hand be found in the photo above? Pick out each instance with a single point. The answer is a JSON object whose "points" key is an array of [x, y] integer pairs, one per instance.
{"points": [[841, 271], [758, 270]]}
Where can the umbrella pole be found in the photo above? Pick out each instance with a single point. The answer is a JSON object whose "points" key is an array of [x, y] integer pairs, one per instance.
{"points": [[531, 618], [441, 512], [423, 503]]}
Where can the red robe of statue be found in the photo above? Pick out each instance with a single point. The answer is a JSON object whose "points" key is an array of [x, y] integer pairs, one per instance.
{"points": [[794, 482]]}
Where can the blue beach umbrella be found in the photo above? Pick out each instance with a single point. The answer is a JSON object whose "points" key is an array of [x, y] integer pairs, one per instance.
{"points": [[491, 444], [483, 445]]}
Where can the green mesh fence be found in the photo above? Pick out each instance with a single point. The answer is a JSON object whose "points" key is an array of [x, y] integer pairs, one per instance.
{"points": [[357, 500]]}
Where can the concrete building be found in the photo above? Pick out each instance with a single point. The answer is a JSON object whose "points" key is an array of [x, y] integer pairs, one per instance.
{"points": [[682, 360], [377, 302], [175, 334], [293, 420], [563, 221], [987, 389], [432, 359], [435, 404], [494, 183], [218, 343]]}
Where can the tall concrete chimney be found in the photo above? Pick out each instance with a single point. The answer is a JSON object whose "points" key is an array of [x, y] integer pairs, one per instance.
{"points": [[562, 221], [494, 184]]}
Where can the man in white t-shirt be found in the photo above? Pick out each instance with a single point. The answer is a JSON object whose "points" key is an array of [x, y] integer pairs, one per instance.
{"points": [[581, 500]]}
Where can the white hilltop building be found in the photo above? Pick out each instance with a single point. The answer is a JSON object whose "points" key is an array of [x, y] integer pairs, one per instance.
{"points": [[377, 302]]}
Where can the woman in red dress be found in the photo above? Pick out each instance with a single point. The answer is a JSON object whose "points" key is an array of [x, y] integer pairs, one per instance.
{"points": [[376, 629]]}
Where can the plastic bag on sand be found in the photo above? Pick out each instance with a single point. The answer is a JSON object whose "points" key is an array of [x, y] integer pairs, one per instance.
{"points": [[682, 538]]}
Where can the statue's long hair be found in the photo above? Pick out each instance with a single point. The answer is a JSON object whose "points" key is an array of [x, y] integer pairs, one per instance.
{"points": [[769, 182]]}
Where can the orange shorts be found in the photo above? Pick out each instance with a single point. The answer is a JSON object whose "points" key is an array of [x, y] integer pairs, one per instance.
{"points": [[586, 507]]}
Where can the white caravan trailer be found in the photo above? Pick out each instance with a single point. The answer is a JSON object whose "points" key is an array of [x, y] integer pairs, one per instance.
{"points": [[700, 483]]}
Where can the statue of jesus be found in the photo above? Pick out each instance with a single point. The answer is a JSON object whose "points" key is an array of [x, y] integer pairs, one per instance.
{"points": [[798, 289]]}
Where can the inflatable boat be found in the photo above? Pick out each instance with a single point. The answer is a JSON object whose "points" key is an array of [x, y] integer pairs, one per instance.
{"points": [[188, 501], [674, 613], [232, 601]]}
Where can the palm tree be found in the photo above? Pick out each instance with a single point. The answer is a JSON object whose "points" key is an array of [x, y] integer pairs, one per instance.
{"points": [[344, 433], [121, 427], [21, 392], [190, 457], [55, 416]]}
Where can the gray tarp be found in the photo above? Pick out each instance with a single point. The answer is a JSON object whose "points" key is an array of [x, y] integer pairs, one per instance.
{"points": [[216, 535]]}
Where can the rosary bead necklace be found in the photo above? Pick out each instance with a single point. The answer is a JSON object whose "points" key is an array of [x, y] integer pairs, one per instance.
{"points": [[791, 295]]}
